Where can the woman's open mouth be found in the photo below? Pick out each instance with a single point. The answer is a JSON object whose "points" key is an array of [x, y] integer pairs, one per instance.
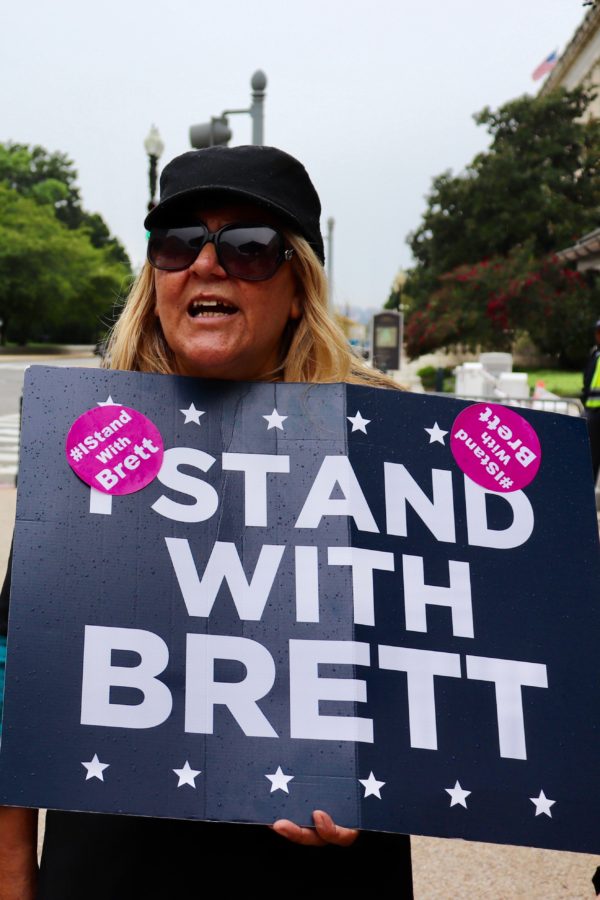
{"points": [[211, 308]]}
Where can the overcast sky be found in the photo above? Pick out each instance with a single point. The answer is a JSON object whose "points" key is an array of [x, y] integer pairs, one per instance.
{"points": [[374, 98]]}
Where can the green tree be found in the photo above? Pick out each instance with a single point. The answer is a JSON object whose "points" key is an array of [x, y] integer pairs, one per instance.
{"points": [[487, 304], [60, 269], [397, 296], [53, 282], [536, 190], [50, 178], [24, 168]]}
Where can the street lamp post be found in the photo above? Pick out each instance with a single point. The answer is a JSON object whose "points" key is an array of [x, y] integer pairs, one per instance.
{"points": [[154, 147], [217, 131], [258, 83]]}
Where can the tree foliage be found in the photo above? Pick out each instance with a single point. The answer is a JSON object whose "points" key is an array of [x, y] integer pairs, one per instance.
{"points": [[535, 191], [60, 269], [487, 304], [398, 297]]}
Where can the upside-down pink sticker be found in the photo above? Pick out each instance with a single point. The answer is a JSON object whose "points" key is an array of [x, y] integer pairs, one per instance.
{"points": [[114, 449], [496, 447]]}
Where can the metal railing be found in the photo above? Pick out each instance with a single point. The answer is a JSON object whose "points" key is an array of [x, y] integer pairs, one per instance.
{"points": [[566, 406]]}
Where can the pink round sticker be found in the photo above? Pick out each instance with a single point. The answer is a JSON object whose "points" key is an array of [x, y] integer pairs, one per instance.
{"points": [[114, 449], [496, 447]]}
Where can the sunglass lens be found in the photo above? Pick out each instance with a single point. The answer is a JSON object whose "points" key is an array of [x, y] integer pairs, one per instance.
{"points": [[253, 252], [173, 249]]}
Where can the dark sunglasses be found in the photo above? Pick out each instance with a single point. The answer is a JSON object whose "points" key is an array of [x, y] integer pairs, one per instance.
{"points": [[251, 252]]}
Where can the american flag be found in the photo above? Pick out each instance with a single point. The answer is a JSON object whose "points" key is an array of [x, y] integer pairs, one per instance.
{"points": [[546, 66]]}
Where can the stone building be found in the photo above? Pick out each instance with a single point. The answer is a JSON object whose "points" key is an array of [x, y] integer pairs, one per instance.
{"points": [[580, 65], [580, 61]]}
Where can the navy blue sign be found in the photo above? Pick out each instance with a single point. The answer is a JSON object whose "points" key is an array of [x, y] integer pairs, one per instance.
{"points": [[310, 607]]}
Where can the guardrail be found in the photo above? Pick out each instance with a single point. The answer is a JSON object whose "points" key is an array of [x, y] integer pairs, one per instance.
{"points": [[567, 406]]}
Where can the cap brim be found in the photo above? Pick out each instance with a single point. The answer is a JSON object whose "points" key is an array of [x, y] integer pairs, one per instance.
{"points": [[163, 214]]}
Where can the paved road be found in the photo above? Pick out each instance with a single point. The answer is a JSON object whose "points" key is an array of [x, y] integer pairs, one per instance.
{"points": [[12, 373], [9, 447]]}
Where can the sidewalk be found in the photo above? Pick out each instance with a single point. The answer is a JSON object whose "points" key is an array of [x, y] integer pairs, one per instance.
{"points": [[8, 500], [463, 870], [39, 353], [453, 870]]}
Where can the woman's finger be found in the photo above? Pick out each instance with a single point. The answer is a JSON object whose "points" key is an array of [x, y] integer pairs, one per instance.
{"points": [[324, 832], [332, 833], [307, 836]]}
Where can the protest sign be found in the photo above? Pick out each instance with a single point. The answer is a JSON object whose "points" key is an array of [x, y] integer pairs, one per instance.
{"points": [[312, 605]]}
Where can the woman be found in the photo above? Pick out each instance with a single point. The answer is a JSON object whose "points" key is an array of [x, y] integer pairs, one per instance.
{"points": [[233, 288]]}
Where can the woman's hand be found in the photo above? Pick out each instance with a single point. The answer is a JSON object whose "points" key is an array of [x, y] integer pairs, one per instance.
{"points": [[325, 832]]}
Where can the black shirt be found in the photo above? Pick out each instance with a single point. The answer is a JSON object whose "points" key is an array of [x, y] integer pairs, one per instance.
{"points": [[92, 856]]}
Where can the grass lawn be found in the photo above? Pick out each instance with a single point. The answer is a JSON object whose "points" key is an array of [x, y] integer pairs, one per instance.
{"points": [[31, 349], [566, 384], [557, 381]]}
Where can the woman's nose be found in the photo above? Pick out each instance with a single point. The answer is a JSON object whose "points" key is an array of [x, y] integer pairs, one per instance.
{"points": [[207, 262]]}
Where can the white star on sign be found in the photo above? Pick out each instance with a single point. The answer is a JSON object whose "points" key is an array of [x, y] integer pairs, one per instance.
{"points": [[542, 804], [458, 795], [187, 775], [275, 420], [436, 435], [358, 423], [372, 786], [95, 768], [108, 402], [279, 781], [192, 415]]}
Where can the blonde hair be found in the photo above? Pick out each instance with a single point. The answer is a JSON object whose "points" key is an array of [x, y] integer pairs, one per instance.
{"points": [[314, 348]]}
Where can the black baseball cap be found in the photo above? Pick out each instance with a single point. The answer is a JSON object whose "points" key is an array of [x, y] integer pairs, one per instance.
{"points": [[263, 175]]}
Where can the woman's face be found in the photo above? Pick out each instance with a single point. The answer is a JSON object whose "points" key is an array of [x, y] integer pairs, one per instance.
{"points": [[219, 326]]}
